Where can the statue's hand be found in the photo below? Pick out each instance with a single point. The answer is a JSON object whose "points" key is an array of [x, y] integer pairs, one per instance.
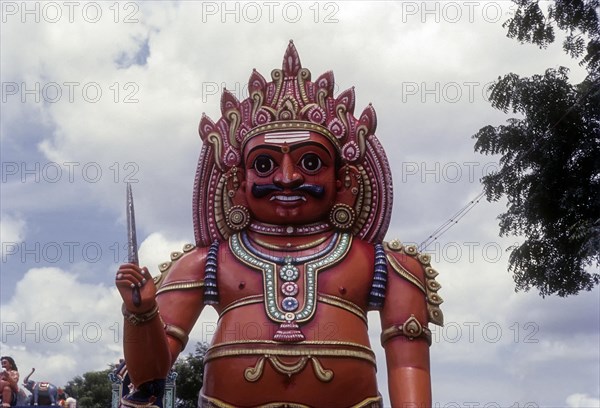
{"points": [[131, 276]]}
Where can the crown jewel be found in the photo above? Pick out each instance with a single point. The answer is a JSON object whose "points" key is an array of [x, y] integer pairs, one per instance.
{"points": [[290, 102]]}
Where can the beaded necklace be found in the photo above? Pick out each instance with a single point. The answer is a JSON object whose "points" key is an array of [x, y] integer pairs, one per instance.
{"points": [[270, 229]]}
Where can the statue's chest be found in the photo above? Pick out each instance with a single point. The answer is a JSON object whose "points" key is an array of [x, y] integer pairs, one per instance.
{"points": [[292, 287]]}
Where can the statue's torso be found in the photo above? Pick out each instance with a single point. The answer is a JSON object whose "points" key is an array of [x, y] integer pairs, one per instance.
{"points": [[332, 366]]}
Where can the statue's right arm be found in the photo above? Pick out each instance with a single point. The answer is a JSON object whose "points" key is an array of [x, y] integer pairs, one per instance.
{"points": [[156, 331]]}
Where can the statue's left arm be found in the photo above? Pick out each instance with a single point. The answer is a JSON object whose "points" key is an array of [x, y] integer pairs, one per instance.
{"points": [[411, 303]]}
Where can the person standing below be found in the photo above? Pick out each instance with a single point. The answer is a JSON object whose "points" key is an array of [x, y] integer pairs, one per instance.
{"points": [[9, 381], [70, 402]]}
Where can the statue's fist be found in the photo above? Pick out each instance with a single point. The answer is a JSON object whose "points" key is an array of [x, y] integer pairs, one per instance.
{"points": [[136, 287]]}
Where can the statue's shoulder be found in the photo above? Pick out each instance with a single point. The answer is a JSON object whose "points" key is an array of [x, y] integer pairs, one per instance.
{"points": [[185, 266], [407, 263]]}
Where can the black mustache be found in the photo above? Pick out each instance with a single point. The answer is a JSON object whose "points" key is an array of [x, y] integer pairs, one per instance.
{"points": [[262, 190]]}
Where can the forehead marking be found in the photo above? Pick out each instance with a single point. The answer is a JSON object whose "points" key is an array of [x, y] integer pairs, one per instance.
{"points": [[287, 137]]}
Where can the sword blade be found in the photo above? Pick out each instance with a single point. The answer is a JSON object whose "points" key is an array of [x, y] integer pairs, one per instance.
{"points": [[132, 249]]}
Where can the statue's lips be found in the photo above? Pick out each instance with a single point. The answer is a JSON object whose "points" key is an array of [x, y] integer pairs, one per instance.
{"points": [[287, 198]]}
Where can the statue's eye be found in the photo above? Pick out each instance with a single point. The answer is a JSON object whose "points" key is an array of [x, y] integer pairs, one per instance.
{"points": [[311, 163], [263, 165]]}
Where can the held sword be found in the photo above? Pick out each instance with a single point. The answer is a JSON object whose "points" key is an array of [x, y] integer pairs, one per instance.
{"points": [[132, 252]]}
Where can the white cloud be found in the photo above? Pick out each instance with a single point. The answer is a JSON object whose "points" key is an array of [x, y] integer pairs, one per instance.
{"points": [[53, 320], [155, 250], [582, 401], [12, 229]]}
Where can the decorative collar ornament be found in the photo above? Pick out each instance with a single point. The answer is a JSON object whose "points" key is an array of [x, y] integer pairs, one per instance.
{"points": [[288, 104], [286, 311]]}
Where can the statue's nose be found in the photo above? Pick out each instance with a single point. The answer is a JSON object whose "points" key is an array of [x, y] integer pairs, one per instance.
{"points": [[287, 175]]}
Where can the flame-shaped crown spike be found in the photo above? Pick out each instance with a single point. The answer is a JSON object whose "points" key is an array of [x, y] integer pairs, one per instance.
{"points": [[256, 82], [347, 99], [228, 102], [368, 118], [205, 127], [291, 61]]}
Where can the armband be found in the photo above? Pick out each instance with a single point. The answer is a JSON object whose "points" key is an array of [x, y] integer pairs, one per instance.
{"points": [[179, 285], [177, 333], [138, 318], [411, 329]]}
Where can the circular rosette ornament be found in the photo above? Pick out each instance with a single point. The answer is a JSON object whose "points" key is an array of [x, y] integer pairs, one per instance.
{"points": [[289, 289], [342, 216], [238, 217], [289, 304], [289, 273]]}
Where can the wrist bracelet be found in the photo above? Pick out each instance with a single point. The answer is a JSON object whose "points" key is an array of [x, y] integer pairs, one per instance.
{"points": [[139, 318]]}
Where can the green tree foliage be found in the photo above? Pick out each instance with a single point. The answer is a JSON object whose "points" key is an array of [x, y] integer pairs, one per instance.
{"points": [[550, 174], [190, 375], [92, 390], [550, 156], [578, 18]]}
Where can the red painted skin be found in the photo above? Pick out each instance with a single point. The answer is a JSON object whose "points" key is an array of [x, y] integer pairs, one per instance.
{"points": [[150, 353]]}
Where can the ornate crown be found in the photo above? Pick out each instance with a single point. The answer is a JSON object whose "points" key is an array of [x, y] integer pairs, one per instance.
{"points": [[290, 102]]}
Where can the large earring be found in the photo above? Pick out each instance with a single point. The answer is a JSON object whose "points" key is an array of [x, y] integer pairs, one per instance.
{"points": [[342, 216], [237, 217]]}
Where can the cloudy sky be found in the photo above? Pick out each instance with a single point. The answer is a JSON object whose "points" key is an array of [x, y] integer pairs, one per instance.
{"points": [[100, 93]]}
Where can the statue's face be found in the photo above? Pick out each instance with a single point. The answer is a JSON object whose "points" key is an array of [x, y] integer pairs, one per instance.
{"points": [[290, 177]]}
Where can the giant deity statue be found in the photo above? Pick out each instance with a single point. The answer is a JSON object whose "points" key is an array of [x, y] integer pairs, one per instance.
{"points": [[292, 200]]}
